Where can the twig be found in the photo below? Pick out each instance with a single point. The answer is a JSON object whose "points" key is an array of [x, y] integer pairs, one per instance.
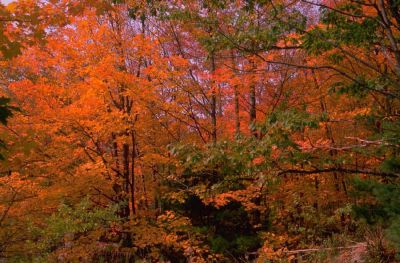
{"points": [[322, 249]]}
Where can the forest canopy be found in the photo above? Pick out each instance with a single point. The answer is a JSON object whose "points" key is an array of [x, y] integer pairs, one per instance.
{"points": [[200, 131]]}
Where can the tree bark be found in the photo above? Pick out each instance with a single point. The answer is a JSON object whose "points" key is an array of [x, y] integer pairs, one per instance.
{"points": [[213, 104], [236, 100], [253, 113]]}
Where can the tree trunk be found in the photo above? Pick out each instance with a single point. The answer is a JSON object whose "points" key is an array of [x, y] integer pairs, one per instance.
{"points": [[253, 114], [132, 183], [213, 104], [125, 150], [236, 100]]}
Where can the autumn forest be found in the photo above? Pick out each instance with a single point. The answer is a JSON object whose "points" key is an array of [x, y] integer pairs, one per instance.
{"points": [[200, 131]]}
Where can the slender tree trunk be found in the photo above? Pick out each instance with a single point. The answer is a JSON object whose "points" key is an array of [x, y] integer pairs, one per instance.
{"points": [[213, 104], [132, 183], [237, 112], [236, 100], [316, 184], [253, 109], [220, 102], [146, 202], [118, 189], [125, 150], [253, 113]]}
